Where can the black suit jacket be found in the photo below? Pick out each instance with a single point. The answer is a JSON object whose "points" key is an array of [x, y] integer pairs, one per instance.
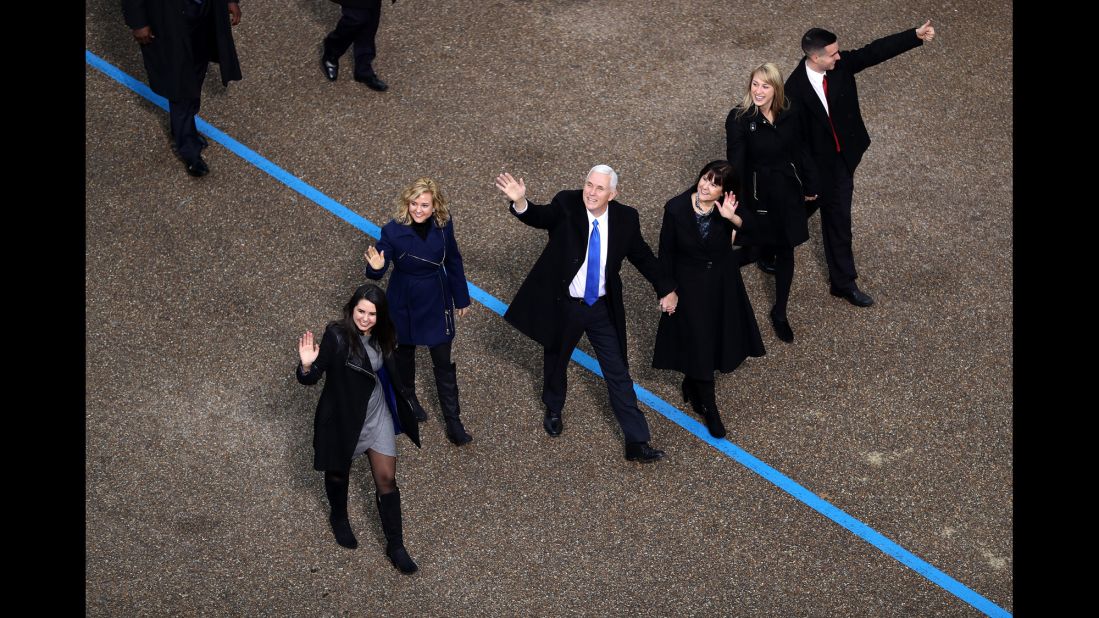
{"points": [[537, 310], [843, 100]]}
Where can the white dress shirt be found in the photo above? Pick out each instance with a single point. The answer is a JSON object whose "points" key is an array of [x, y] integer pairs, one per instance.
{"points": [[579, 282]]}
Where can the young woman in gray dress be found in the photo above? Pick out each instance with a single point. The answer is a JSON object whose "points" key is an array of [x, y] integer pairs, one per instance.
{"points": [[362, 407]]}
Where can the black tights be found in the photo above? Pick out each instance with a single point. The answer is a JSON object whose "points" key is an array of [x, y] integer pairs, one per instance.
{"points": [[784, 279], [406, 360], [382, 467]]}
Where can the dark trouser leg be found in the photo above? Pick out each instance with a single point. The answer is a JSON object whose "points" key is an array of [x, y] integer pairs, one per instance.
{"points": [[365, 49], [182, 112], [555, 361], [446, 383], [335, 486], [389, 510], [181, 116], [405, 355], [784, 279], [353, 22], [835, 225], [604, 339]]}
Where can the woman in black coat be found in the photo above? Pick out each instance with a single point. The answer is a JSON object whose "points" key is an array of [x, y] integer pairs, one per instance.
{"points": [[426, 291], [713, 326], [360, 409], [766, 143]]}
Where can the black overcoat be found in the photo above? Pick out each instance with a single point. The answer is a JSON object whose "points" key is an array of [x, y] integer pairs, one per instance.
{"points": [[168, 59], [537, 310], [713, 327], [776, 173], [843, 101], [344, 398]]}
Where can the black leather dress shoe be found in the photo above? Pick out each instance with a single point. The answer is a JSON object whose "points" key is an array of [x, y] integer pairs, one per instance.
{"points": [[782, 329], [331, 68], [372, 82], [855, 296], [767, 264], [203, 143], [552, 423], [641, 451], [197, 167]]}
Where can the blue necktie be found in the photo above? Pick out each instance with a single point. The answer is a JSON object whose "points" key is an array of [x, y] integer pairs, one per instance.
{"points": [[591, 284]]}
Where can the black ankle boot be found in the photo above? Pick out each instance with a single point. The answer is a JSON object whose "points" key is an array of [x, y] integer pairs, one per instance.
{"points": [[705, 390], [389, 510], [446, 382], [690, 395]]}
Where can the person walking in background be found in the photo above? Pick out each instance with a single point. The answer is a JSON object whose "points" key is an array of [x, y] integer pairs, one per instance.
{"points": [[357, 26], [179, 39]]}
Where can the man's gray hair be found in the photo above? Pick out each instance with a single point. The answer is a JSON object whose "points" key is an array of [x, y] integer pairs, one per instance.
{"points": [[605, 169]]}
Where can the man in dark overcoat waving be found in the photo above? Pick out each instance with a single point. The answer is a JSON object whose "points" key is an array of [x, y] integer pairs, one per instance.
{"points": [[575, 288], [179, 39], [824, 82]]}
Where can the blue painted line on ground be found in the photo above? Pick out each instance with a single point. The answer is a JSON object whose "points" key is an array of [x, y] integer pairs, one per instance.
{"points": [[646, 397]]}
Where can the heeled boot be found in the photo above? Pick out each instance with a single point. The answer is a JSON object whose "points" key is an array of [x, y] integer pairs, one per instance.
{"points": [[446, 382], [389, 510]]}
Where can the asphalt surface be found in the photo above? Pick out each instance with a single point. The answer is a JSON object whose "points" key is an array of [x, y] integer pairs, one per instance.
{"points": [[200, 493]]}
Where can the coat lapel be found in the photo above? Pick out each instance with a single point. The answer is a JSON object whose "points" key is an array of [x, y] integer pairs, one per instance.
{"points": [[808, 94]]}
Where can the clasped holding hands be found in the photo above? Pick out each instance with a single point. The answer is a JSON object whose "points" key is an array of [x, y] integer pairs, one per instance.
{"points": [[669, 303]]}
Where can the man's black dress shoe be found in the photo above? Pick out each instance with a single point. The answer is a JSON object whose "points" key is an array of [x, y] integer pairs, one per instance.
{"points": [[331, 68], [641, 451], [197, 168], [202, 142], [372, 82], [855, 296], [782, 329], [552, 423], [766, 264]]}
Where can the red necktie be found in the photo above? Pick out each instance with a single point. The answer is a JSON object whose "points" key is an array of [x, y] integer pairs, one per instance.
{"points": [[834, 136]]}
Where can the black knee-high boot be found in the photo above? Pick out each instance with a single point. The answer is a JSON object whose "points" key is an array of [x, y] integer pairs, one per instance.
{"points": [[335, 485], [405, 355], [446, 382], [705, 390], [389, 510]]}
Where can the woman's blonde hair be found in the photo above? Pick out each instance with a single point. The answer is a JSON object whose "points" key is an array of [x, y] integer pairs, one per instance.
{"points": [[415, 190], [770, 74]]}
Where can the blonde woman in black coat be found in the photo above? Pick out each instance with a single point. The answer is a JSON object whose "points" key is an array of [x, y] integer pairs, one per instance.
{"points": [[362, 406], [713, 327], [766, 143]]}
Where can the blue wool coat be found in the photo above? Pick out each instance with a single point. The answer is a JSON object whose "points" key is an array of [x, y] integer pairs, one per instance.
{"points": [[427, 284]]}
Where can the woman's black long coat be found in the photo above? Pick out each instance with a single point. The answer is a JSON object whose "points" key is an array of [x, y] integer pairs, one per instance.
{"points": [[713, 327], [342, 406], [776, 174]]}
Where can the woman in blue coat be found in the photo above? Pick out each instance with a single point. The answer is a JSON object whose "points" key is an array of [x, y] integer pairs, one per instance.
{"points": [[426, 290]]}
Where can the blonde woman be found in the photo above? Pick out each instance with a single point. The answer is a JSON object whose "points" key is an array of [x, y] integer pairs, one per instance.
{"points": [[766, 143], [426, 290]]}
